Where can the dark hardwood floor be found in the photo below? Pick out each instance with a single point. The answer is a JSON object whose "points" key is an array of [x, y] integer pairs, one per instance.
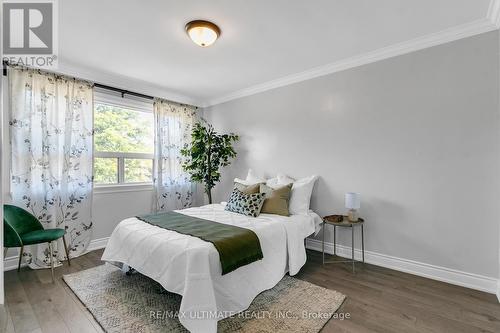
{"points": [[378, 300]]}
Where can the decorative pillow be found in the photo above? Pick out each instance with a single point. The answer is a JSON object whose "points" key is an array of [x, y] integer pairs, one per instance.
{"points": [[247, 189], [300, 198], [246, 204], [277, 200]]}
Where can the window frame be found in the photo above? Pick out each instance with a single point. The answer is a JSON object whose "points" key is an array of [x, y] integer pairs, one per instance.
{"points": [[102, 96]]}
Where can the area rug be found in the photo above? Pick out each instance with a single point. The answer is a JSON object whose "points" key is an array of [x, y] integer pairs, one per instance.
{"points": [[122, 303]]}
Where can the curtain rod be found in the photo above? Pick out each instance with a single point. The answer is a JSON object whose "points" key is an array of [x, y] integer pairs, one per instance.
{"points": [[123, 92]]}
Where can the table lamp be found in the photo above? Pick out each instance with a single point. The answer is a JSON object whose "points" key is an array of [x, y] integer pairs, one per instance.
{"points": [[352, 202]]}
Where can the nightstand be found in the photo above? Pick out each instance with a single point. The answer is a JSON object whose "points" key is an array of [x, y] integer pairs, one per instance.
{"points": [[342, 221]]}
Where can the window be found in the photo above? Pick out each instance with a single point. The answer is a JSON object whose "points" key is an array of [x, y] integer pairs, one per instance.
{"points": [[123, 143]]}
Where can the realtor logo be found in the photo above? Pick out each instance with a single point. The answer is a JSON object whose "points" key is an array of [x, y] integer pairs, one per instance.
{"points": [[30, 33]]}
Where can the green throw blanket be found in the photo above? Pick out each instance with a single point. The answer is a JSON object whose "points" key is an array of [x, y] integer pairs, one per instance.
{"points": [[236, 246]]}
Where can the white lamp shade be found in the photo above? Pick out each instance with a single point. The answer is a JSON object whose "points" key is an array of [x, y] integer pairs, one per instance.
{"points": [[352, 200]]}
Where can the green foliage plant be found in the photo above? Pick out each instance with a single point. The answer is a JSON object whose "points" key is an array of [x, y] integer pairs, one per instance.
{"points": [[207, 153]]}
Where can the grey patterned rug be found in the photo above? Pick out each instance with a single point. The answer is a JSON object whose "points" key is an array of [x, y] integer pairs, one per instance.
{"points": [[123, 303]]}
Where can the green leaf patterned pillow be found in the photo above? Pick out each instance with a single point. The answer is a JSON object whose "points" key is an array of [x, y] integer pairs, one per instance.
{"points": [[246, 204]]}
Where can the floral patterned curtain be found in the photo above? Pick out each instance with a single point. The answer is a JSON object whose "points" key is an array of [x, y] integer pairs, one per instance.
{"points": [[51, 120], [173, 125]]}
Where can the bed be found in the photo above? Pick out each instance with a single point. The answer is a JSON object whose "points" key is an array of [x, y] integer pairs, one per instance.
{"points": [[190, 267]]}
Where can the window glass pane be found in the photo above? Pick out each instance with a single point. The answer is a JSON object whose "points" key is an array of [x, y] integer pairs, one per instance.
{"points": [[123, 130], [138, 170], [105, 170]]}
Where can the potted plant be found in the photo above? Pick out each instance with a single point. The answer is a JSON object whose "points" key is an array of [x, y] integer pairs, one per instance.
{"points": [[206, 154]]}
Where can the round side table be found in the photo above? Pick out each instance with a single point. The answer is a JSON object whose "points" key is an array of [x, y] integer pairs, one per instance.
{"points": [[342, 221]]}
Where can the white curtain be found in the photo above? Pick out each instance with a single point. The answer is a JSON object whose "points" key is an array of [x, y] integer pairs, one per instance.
{"points": [[173, 126], [51, 157]]}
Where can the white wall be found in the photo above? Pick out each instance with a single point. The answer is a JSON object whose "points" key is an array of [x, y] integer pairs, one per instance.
{"points": [[112, 207], [417, 135]]}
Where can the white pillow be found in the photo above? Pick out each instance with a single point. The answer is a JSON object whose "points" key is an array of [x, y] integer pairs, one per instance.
{"points": [[279, 181], [273, 183], [242, 181], [284, 179], [253, 178], [300, 197]]}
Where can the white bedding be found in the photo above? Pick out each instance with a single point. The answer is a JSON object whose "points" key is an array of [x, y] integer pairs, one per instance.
{"points": [[190, 267]]}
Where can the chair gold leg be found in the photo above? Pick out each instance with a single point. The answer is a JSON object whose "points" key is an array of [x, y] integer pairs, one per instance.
{"points": [[20, 258], [66, 249], [51, 261]]}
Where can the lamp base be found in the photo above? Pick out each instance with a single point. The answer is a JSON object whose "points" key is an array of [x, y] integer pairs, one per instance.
{"points": [[352, 215]]}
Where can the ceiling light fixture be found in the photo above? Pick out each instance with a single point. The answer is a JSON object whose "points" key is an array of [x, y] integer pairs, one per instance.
{"points": [[203, 33]]}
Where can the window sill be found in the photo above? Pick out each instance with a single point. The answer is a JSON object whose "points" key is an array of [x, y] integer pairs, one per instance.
{"points": [[117, 188]]}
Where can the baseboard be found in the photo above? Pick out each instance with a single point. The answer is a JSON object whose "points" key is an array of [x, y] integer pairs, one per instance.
{"points": [[96, 244], [464, 279], [10, 263]]}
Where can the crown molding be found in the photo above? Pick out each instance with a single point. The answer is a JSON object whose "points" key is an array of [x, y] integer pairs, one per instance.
{"points": [[490, 23], [123, 82], [494, 13], [445, 36]]}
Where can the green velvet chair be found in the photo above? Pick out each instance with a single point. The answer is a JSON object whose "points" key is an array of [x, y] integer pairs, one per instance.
{"points": [[22, 228]]}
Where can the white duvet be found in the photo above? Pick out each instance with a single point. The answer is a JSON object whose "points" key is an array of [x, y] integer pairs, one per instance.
{"points": [[190, 267]]}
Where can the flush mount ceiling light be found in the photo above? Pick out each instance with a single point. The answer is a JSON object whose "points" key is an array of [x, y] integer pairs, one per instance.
{"points": [[203, 33]]}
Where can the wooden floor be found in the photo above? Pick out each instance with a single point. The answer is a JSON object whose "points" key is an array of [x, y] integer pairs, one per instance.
{"points": [[378, 300]]}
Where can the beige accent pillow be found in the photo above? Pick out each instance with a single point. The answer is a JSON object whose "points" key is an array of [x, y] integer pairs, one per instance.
{"points": [[276, 199], [247, 189]]}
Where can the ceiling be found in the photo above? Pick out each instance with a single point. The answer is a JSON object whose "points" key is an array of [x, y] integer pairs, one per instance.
{"points": [[261, 40]]}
